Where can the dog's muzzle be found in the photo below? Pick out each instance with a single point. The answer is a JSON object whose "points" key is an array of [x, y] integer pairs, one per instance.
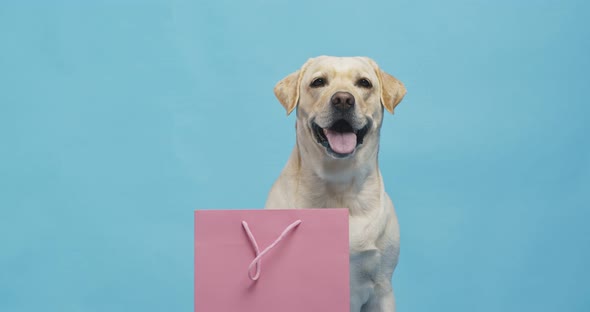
{"points": [[340, 139]]}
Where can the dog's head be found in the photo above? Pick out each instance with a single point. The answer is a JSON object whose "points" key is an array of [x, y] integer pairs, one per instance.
{"points": [[340, 102]]}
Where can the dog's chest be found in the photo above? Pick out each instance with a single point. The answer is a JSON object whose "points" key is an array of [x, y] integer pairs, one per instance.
{"points": [[354, 201], [373, 241]]}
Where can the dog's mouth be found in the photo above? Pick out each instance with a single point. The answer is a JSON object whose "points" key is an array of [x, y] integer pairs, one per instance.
{"points": [[340, 139]]}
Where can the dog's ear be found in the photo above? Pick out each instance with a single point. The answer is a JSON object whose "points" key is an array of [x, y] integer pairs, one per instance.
{"points": [[287, 91], [392, 90]]}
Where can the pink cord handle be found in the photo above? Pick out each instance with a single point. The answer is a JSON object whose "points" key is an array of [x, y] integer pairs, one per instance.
{"points": [[258, 259]]}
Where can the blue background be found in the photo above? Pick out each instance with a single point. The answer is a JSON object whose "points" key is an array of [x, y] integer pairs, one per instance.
{"points": [[119, 118]]}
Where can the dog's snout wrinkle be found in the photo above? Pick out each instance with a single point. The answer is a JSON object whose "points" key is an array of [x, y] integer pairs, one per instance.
{"points": [[342, 101]]}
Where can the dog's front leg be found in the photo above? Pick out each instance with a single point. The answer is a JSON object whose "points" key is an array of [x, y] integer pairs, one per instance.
{"points": [[381, 301], [355, 304]]}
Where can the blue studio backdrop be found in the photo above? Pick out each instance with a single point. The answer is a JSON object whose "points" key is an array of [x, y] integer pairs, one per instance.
{"points": [[119, 118]]}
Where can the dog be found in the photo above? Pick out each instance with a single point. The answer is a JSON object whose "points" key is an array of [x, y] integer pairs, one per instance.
{"points": [[340, 105]]}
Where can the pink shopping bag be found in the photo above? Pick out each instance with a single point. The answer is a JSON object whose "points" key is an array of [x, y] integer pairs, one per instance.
{"points": [[272, 260]]}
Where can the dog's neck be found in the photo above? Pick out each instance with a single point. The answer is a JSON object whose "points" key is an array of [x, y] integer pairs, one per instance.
{"points": [[333, 183]]}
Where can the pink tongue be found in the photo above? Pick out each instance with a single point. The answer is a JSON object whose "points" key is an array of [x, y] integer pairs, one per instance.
{"points": [[342, 143]]}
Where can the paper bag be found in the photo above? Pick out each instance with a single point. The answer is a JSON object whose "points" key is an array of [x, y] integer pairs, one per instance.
{"points": [[293, 260]]}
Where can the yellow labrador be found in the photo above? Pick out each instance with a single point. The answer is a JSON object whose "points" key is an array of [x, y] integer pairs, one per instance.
{"points": [[340, 103]]}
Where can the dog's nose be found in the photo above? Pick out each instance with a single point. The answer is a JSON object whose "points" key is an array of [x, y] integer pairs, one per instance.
{"points": [[343, 101]]}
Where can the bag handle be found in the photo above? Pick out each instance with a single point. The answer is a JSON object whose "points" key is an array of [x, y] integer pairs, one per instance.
{"points": [[258, 259]]}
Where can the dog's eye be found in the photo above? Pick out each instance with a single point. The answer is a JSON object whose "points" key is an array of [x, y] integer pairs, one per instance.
{"points": [[364, 83], [318, 82]]}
